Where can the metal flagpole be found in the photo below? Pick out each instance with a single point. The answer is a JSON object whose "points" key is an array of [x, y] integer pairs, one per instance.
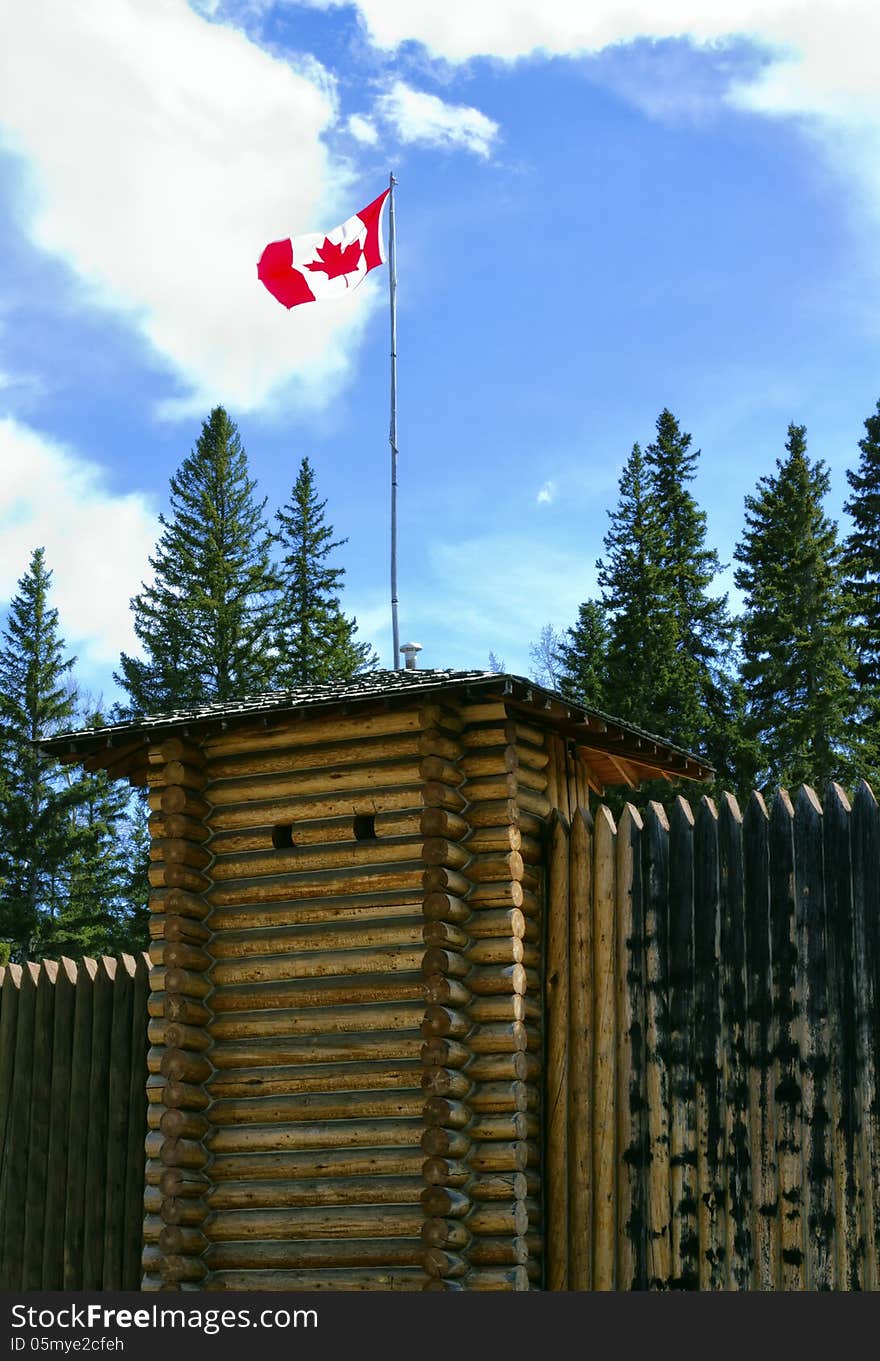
{"points": [[392, 285]]}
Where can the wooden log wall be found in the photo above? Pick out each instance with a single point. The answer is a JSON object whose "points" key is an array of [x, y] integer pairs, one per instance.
{"points": [[729, 1138], [73, 1047]]}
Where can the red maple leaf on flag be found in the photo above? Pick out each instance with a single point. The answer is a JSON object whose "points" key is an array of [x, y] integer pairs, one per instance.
{"points": [[335, 260]]}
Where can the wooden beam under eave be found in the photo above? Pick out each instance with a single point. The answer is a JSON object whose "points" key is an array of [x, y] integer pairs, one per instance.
{"points": [[623, 770]]}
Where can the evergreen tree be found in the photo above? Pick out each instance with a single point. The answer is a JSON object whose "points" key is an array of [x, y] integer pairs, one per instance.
{"points": [[37, 805], [796, 664], [641, 657], [862, 565], [546, 669], [315, 641], [697, 701], [205, 622], [583, 657]]}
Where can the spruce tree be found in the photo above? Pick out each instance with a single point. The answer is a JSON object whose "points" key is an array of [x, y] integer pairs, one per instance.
{"points": [[796, 661], [641, 657], [583, 657], [697, 702], [862, 567], [37, 804], [206, 620], [315, 641]]}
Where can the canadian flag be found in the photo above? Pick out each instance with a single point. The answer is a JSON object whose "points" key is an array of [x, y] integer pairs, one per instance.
{"points": [[310, 268]]}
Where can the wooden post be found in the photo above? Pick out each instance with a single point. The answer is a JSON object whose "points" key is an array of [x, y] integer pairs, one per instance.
{"points": [[787, 1064], [760, 1039], [557, 1075], [656, 872], [866, 912], [711, 1120], [604, 1020], [632, 1133], [683, 1156], [739, 1247], [582, 984]]}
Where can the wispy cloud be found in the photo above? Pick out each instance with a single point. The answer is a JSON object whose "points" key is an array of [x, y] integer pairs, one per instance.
{"points": [[163, 152], [363, 129], [97, 543], [547, 494], [419, 117]]}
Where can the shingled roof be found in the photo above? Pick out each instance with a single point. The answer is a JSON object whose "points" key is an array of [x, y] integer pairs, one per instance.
{"points": [[627, 750]]}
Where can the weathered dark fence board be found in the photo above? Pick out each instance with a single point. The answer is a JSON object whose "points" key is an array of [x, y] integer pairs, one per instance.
{"points": [[72, 1124]]}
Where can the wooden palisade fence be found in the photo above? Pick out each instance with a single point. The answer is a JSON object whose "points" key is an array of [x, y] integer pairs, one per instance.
{"points": [[73, 1059], [712, 1118]]}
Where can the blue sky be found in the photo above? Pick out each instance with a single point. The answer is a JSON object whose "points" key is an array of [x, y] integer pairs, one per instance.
{"points": [[602, 211]]}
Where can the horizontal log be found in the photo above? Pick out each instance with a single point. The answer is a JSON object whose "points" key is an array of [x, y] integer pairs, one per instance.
{"points": [[446, 1082], [177, 774], [316, 1077], [174, 851], [362, 1051], [293, 887], [512, 1125], [535, 781], [491, 867], [501, 923], [183, 1269], [187, 983], [446, 1111], [177, 902], [316, 810], [442, 1052], [505, 1039], [180, 1036], [310, 1164], [184, 802], [446, 1172], [318, 992], [498, 1278], [305, 728], [325, 909], [325, 1222], [177, 825], [178, 929], [445, 1202], [255, 832], [444, 935], [314, 964], [437, 1142], [442, 906], [345, 855], [310, 1106], [316, 1134], [488, 980], [182, 1066], [509, 1251], [437, 960], [436, 850], [282, 1194], [180, 1210], [357, 779], [434, 769], [183, 1153], [317, 1021], [436, 794], [499, 1097], [443, 822], [494, 840], [296, 1256], [494, 813], [176, 1182], [179, 1124], [439, 990], [504, 950], [351, 1279], [435, 742], [503, 893], [445, 1233], [505, 1007], [506, 1186], [367, 934], [532, 801], [178, 954], [325, 758], [180, 1238], [185, 1009], [441, 1262], [478, 763], [163, 875], [442, 879], [184, 1096], [445, 1022]]}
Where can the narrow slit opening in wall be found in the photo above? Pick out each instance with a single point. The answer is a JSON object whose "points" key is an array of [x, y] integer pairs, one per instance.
{"points": [[364, 827], [282, 836]]}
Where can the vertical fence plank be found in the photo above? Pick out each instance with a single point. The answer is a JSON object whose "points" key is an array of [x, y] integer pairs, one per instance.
{"points": [[632, 1131], [866, 908], [96, 1152], [59, 1117], [78, 1140], [812, 994], [684, 1242], [732, 926], [709, 1093], [38, 1137], [135, 1158], [557, 1003], [844, 1076], [18, 1128], [656, 890], [117, 1123], [9, 1004], [787, 1058], [605, 1045], [581, 987], [759, 1038]]}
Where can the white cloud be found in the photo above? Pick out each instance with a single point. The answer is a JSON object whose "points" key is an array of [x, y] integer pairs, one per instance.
{"points": [[97, 543], [164, 152], [362, 129], [547, 494], [819, 55], [424, 118]]}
